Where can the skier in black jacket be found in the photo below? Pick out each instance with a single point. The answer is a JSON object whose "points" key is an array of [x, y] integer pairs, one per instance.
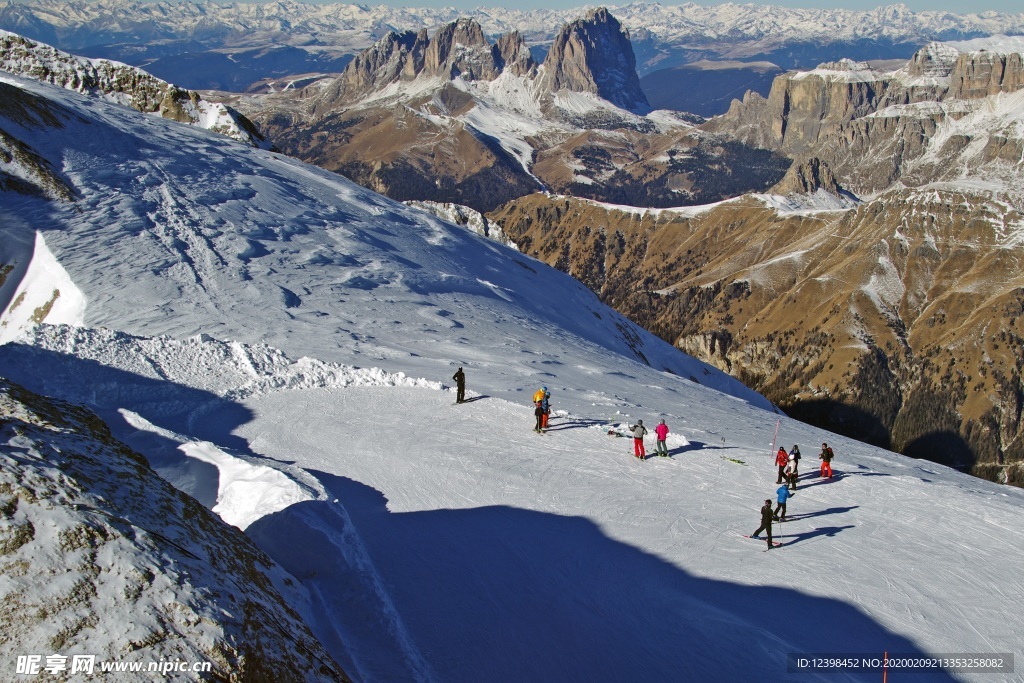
{"points": [[460, 386], [766, 522]]}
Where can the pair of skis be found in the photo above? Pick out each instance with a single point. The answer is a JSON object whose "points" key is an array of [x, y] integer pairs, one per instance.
{"points": [[775, 544]]}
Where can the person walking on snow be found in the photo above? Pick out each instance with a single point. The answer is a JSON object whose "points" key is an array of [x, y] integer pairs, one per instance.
{"points": [[783, 494], [795, 453], [781, 459], [638, 439], [661, 431], [766, 521], [790, 472], [460, 385], [826, 460]]}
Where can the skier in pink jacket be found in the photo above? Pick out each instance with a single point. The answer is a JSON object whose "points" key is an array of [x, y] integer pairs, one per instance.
{"points": [[661, 431]]}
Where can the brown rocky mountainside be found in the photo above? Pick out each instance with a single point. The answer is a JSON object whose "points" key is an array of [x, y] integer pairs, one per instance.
{"points": [[899, 323]]}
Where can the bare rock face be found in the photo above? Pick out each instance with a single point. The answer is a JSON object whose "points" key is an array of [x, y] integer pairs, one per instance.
{"points": [[808, 177], [395, 57], [460, 49], [594, 55], [872, 126], [980, 74], [514, 55], [934, 60]]}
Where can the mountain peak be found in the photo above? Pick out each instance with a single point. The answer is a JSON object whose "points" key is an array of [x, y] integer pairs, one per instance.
{"points": [[594, 55], [461, 49]]}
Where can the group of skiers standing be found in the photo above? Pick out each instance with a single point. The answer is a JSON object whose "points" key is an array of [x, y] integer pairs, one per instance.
{"points": [[639, 432], [788, 464]]}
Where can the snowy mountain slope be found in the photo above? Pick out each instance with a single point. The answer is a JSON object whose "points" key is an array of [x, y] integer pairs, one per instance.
{"points": [[248, 237], [451, 543], [101, 558], [442, 542], [124, 84]]}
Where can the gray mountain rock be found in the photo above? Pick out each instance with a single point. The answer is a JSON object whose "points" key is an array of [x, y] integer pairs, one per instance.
{"points": [[594, 55]]}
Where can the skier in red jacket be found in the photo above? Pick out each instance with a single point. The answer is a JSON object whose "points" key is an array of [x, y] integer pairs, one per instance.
{"points": [[781, 459]]}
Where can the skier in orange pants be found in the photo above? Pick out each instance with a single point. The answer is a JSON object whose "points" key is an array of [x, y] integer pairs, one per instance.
{"points": [[826, 460]]}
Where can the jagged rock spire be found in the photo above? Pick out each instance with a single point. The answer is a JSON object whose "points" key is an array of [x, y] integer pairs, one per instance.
{"points": [[594, 55]]}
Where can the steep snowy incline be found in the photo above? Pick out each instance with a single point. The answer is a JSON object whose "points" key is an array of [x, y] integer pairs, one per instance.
{"points": [[181, 232]]}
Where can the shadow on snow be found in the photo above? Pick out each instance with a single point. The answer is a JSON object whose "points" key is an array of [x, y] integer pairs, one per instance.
{"points": [[505, 594], [493, 593]]}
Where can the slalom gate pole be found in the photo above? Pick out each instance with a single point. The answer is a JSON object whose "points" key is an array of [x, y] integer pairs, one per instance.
{"points": [[776, 436], [885, 667]]}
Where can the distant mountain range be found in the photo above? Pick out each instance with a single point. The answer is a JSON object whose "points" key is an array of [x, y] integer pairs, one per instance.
{"points": [[208, 45]]}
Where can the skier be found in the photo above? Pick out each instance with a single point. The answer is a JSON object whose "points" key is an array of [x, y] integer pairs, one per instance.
{"points": [[661, 431], [766, 521], [783, 494], [460, 385], [796, 451], [781, 459], [545, 403], [538, 412], [826, 460], [638, 439], [790, 472]]}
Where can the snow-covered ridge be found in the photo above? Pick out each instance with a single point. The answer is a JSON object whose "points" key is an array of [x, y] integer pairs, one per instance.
{"points": [[123, 84], [230, 370]]}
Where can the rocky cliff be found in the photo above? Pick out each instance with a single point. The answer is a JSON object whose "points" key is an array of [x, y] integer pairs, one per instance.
{"points": [[593, 55], [870, 125]]}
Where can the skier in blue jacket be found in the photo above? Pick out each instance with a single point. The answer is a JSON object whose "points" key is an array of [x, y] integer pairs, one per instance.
{"points": [[784, 494]]}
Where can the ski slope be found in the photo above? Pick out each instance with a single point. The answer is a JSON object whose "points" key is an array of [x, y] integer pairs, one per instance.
{"points": [[279, 344]]}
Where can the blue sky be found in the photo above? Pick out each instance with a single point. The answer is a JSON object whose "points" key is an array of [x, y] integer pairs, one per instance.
{"points": [[955, 6]]}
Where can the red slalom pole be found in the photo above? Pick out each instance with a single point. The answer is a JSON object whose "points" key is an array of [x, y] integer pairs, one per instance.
{"points": [[776, 436], [885, 667]]}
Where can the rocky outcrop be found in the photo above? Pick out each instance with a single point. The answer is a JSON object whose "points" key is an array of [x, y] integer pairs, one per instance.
{"points": [[124, 84], [980, 74], [514, 55], [808, 177], [22, 170], [594, 55], [395, 57], [100, 556], [460, 50]]}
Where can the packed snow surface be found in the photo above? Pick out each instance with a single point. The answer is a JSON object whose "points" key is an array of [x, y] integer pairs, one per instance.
{"points": [[280, 343]]}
